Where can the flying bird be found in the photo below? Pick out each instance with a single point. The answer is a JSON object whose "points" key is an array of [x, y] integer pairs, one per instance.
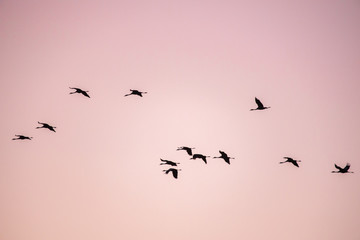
{"points": [[167, 162], [174, 172], [45, 125], [187, 149], [22, 137], [225, 157], [135, 92], [342, 170], [195, 156], [291, 160], [260, 105], [78, 90]]}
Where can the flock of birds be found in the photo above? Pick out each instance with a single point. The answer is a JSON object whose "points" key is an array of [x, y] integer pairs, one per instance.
{"points": [[195, 156], [172, 169]]}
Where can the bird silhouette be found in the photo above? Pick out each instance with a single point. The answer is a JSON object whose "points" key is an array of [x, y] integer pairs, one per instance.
{"points": [[195, 156], [290, 160], [167, 162], [342, 170], [135, 92], [174, 172], [22, 137], [260, 105], [78, 90], [45, 125], [225, 157], [187, 149]]}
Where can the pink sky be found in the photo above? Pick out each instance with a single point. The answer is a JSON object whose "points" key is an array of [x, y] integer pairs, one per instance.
{"points": [[202, 63]]}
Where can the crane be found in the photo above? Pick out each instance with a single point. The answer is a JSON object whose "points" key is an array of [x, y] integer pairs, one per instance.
{"points": [[135, 92], [167, 162], [174, 172], [22, 137], [260, 106], [78, 90], [45, 125], [225, 157], [342, 170], [203, 157], [291, 160], [187, 149]]}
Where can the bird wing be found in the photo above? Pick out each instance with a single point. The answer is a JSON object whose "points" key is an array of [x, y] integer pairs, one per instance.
{"points": [[289, 158], [295, 163], [189, 151], [175, 173], [223, 154], [259, 103], [85, 94], [346, 168], [336, 166]]}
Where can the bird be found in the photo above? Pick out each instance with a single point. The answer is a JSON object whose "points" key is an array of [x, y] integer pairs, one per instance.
{"points": [[22, 137], [171, 163], [225, 157], [45, 125], [342, 170], [260, 105], [291, 160], [195, 156], [135, 92], [187, 149], [174, 172], [78, 90]]}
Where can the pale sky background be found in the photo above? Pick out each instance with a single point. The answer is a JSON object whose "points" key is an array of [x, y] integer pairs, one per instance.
{"points": [[202, 63]]}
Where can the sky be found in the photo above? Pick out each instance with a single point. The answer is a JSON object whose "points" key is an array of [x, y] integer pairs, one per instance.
{"points": [[202, 64]]}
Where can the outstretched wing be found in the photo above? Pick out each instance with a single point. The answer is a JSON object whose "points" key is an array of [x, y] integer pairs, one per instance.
{"points": [[223, 154], [85, 94], [175, 173], [295, 163], [259, 103], [289, 158], [189, 151], [346, 168], [336, 166]]}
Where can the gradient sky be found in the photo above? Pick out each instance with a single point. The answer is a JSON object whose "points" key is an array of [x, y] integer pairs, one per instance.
{"points": [[202, 63]]}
